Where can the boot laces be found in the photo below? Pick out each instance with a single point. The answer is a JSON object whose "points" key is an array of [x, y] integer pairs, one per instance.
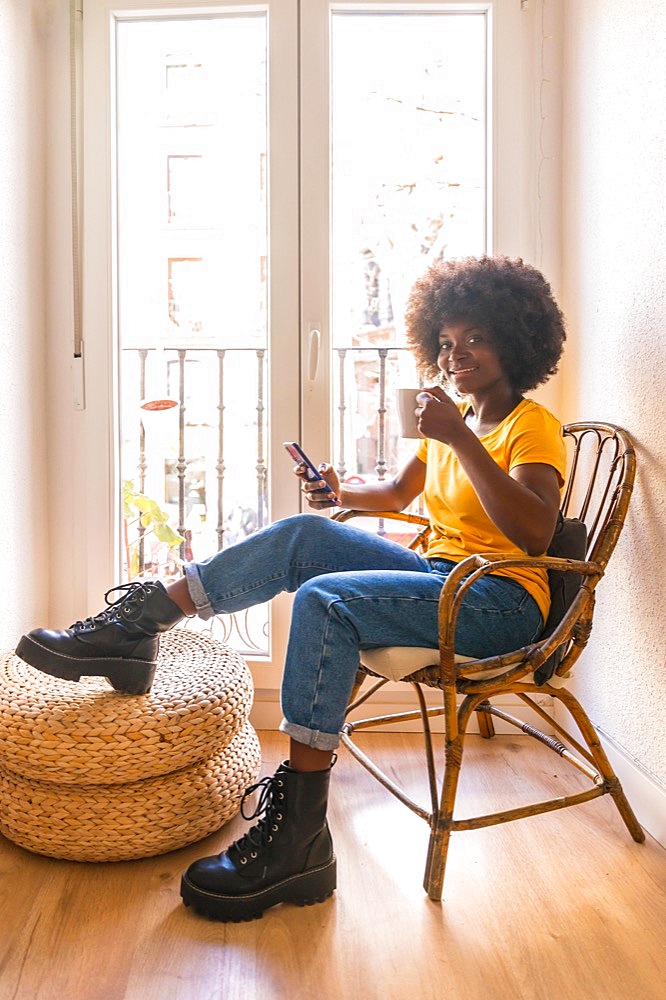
{"points": [[126, 607], [269, 810]]}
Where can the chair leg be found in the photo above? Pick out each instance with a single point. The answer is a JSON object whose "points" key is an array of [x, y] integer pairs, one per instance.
{"points": [[611, 780], [440, 835], [485, 721], [626, 812], [358, 684]]}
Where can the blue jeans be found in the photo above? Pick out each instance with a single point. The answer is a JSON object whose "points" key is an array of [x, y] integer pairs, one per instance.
{"points": [[354, 590]]}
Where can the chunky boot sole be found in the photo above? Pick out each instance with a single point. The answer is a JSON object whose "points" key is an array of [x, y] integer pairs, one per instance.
{"points": [[304, 889], [125, 675]]}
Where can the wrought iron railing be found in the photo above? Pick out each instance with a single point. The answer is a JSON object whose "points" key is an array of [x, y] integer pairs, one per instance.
{"points": [[208, 397]]}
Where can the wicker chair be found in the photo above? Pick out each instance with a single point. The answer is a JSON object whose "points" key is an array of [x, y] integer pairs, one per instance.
{"points": [[598, 489]]}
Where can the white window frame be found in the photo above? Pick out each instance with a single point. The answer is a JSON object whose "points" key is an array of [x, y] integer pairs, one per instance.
{"points": [[98, 460], [509, 228]]}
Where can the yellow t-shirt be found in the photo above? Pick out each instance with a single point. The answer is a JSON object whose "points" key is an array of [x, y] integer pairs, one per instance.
{"points": [[460, 525]]}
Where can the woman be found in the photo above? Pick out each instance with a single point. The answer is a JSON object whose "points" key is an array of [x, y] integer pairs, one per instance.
{"points": [[490, 466]]}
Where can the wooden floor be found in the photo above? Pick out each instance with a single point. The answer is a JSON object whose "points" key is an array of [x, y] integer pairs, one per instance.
{"points": [[561, 906]]}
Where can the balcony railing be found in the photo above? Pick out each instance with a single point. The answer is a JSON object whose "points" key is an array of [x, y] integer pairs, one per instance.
{"points": [[210, 413], [207, 459]]}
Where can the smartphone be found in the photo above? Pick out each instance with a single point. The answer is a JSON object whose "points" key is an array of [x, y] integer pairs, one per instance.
{"points": [[311, 472]]}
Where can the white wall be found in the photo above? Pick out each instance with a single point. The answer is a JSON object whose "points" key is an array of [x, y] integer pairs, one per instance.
{"points": [[23, 482], [614, 264]]}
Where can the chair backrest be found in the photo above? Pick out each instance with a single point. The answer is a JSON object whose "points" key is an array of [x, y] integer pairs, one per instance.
{"points": [[602, 469]]}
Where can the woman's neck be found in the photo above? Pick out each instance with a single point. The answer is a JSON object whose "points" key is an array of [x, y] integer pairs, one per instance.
{"points": [[485, 414]]}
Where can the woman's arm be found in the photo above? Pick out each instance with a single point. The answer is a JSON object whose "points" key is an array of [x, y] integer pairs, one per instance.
{"points": [[392, 494], [523, 504]]}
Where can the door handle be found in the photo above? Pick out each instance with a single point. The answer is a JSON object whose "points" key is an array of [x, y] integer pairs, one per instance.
{"points": [[313, 358]]}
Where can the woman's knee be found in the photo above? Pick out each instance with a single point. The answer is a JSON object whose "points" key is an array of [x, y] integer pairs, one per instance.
{"points": [[311, 595], [308, 528], [319, 604]]}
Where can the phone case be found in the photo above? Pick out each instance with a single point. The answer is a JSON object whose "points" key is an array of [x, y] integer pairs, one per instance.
{"points": [[299, 455]]}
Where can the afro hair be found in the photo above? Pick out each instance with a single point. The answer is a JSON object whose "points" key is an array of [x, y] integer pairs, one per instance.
{"points": [[508, 299]]}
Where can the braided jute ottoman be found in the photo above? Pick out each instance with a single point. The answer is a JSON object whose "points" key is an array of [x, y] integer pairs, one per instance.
{"points": [[89, 774]]}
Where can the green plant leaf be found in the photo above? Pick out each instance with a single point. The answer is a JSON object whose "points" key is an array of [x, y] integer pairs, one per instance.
{"points": [[165, 533], [151, 516]]}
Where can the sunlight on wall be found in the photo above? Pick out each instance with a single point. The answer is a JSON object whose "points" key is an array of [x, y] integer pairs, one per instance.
{"points": [[614, 263]]}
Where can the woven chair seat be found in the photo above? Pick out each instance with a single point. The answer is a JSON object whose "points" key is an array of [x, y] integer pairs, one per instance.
{"points": [[76, 732], [138, 820]]}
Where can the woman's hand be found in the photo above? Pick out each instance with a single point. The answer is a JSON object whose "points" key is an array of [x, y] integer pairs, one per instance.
{"points": [[390, 494], [438, 416], [313, 489], [522, 503]]}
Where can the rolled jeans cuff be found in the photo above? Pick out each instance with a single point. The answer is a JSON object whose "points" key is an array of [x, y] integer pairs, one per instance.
{"points": [[310, 737], [197, 592]]}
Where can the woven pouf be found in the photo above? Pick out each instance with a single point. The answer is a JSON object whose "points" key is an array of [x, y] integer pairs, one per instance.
{"points": [[90, 774], [136, 820]]}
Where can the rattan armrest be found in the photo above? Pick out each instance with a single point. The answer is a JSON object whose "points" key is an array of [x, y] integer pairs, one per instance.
{"points": [[519, 662], [401, 515], [406, 517], [528, 658]]}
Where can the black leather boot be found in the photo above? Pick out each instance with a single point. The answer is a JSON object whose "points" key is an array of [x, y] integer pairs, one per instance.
{"points": [[120, 643], [286, 858]]}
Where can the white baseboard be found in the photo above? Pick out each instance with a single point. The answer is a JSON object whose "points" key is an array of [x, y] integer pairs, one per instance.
{"points": [[646, 794]]}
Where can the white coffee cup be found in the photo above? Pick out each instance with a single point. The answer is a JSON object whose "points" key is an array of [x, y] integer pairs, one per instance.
{"points": [[406, 405]]}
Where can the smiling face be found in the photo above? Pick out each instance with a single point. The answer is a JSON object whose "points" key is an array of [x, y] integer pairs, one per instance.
{"points": [[470, 361], [468, 358]]}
